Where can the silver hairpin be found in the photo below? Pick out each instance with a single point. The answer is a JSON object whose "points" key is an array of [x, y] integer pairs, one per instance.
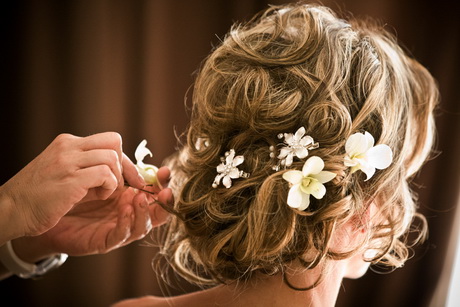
{"points": [[228, 169], [294, 145]]}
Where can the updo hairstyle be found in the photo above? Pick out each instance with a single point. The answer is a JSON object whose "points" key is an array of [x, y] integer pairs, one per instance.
{"points": [[296, 66]]}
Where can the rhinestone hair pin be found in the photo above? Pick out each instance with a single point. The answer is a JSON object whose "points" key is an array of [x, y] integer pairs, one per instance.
{"points": [[228, 169], [294, 145]]}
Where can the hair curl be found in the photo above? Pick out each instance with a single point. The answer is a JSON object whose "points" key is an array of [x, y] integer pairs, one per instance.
{"points": [[292, 66]]}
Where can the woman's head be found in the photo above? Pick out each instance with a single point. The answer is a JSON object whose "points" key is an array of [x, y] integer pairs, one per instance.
{"points": [[290, 67]]}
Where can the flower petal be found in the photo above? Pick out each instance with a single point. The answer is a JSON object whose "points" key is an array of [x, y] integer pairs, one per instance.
{"points": [[324, 176], [220, 168], [229, 157], [347, 161], [306, 140], [237, 160], [367, 169], [289, 159], [305, 202], [149, 167], [284, 152], [355, 168], [313, 165], [218, 178], [288, 138], [370, 139], [142, 151], [301, 152], [356, 144], [318, 190], [149, 173], [299, 134], [293, 176], [227, 182], [380, 156], [295, 196], [234, 173]]}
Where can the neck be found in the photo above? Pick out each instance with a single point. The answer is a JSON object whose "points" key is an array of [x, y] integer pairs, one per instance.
{"points": [[273, 291]]}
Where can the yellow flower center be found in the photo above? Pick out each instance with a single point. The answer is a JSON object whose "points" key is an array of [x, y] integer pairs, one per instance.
{"points": [[306, 183], [357, 156]]}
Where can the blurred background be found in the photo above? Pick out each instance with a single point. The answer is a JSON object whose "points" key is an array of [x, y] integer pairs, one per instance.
{"points": [[84, 67]]}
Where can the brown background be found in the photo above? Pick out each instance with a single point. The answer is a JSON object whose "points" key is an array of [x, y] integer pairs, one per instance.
{"points": [[84, 67]]}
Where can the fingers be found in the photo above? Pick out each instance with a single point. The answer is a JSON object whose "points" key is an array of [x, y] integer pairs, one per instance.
{"points": [[147, 216], [97, 157], [105, 141], [122, 230], [131, 175], [142, 223], [139, 222], [163, 176], [106, 149], [98, 180], [166, 197], [158, 215], [136, 220]]}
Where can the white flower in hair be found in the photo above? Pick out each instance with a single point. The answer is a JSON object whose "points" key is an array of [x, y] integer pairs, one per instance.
{"points": [[228, 169], [361, 154], [147, 171], [298, 145], [307, 182]]}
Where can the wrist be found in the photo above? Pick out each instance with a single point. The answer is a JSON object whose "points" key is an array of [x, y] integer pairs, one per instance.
{"points": [[23, 269], [32, 249], [10, 216]]}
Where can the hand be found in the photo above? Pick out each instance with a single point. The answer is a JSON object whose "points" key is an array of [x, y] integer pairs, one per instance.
{"points": [[99, 226], [69, 170]]}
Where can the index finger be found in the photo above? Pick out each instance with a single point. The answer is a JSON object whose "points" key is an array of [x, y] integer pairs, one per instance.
{"points": [[131, 174], [105, 140]]}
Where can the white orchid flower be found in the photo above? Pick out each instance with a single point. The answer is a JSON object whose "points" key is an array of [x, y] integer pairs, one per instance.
{"points": [[361, 154], [228, 169], [307, 182], [298, 145], [147, 171]]}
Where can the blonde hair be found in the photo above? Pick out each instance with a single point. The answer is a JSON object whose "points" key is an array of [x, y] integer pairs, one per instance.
{"points": [[292, 66]]}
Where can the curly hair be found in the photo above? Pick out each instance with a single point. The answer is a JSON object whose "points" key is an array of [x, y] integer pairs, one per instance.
{"points": [[292, 66]]}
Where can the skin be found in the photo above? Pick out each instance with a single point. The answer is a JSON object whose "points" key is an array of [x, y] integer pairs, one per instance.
{"points": [[72, 199], [271, 290], [99, 226], [265, 291]]}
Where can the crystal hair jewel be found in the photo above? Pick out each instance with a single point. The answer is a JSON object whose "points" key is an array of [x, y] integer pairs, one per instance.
{"points": [[295, 145], [228, 170], [201, 143]]}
